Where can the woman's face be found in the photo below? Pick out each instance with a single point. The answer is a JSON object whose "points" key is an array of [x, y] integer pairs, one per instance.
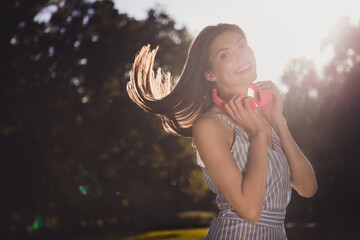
{"points": [[233, 61]]}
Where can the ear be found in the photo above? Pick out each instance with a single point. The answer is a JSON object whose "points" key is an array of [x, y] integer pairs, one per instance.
{"points": [[209, 76]]}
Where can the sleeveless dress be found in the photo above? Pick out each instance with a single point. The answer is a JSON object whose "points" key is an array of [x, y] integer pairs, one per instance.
{"points": [[228, 224]]}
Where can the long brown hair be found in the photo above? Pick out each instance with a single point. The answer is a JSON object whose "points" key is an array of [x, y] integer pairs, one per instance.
{"points": [[177, 103]]}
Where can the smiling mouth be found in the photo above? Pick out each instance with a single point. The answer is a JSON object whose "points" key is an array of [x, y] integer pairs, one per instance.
{"points": [[244, 68]]}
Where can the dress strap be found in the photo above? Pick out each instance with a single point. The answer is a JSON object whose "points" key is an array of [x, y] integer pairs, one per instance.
{"points": [[225, 119], [236, 128]]}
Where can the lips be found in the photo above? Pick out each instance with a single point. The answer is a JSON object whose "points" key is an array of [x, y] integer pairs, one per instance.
{"points": [[243, 68]]}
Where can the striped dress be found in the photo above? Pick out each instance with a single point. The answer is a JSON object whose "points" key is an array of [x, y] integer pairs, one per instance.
{"points": [[228, 224]]}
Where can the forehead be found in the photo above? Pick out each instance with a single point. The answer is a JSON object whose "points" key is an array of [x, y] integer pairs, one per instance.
{"points": [[224, 40]]}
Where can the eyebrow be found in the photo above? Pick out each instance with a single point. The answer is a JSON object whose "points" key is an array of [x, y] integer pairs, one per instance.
{"points": [[222, 49]]}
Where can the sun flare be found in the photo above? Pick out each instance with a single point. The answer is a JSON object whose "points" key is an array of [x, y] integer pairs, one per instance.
{"points": [[277, 30], [294, 29]]}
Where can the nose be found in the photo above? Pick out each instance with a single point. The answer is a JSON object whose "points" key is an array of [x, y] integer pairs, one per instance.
{"points": [[239, 55]]}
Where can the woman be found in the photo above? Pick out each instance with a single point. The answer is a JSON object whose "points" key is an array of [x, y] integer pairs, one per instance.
{"points": [[249, 158]]}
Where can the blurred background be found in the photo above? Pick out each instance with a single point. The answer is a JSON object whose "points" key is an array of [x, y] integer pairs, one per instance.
{"points": [[79, 160]]}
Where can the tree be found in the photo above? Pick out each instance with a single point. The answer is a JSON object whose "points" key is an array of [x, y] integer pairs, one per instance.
{"points": [[323, 113], [77, 153]]}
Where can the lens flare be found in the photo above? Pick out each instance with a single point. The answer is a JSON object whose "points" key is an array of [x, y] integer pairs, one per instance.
{"points": [[39, 222], [89, 184], [83, 189]]}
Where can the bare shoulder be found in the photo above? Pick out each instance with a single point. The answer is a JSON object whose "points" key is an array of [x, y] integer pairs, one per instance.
{"points": [[205, 120], [210, 128], [206, 123]]}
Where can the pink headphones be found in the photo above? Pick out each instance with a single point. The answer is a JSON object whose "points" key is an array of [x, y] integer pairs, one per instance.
{"points": [[261, 99]]}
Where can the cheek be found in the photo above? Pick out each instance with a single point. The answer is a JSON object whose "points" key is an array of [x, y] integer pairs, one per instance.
{"points": [[218, 69], [226, 67], [223, 69]]}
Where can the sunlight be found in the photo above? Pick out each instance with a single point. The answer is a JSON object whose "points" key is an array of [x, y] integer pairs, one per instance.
{"points": [[277, 30], [294, 29]]}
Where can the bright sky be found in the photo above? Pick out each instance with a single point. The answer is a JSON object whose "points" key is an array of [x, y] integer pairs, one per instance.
{"points": [[277, 30]]}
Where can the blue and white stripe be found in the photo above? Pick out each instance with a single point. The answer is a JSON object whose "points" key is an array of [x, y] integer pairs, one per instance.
{"points": [[228, 224]]}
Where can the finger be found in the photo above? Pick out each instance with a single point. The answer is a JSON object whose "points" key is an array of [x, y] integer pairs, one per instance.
{"points": [[275, 93], [246, 102], [229, 110], [250, 98], [237, 102], [231, 103], [236, 98], [233, 108], [269, 87], [261, 83], [266, 85]]}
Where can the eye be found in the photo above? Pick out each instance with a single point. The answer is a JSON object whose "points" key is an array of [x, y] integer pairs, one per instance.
{"points": [[225, 55]]}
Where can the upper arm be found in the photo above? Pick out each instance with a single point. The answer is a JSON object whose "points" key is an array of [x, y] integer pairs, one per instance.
{"points": [[213, 147]]}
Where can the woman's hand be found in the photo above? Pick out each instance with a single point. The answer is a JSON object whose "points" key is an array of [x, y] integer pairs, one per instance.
{"points": [[244, 115], [273, 111]]}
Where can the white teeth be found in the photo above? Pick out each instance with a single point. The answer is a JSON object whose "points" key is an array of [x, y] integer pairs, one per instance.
{"points": [[244, 68]]}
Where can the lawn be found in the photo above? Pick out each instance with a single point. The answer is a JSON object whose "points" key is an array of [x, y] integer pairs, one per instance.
{"points": [[180, 234]]}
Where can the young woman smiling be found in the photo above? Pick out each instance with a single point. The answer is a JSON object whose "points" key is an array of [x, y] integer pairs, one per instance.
{"points": [[248, 157]]}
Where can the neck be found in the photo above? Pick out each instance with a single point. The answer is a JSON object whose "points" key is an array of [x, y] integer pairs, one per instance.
{"points": [[228, 93]]}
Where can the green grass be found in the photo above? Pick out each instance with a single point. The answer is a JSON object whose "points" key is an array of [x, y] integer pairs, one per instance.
{"points": [[189, 234]]}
